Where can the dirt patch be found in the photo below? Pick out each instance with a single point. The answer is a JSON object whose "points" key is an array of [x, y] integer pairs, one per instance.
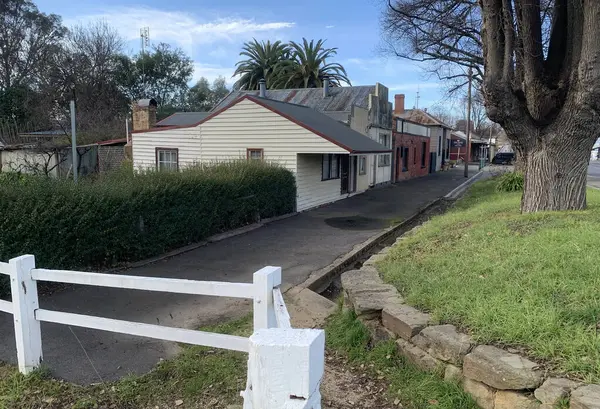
{"points": [[348, 387]]}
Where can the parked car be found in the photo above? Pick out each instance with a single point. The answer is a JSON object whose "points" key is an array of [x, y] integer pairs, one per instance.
{"points": [[504, 158]]}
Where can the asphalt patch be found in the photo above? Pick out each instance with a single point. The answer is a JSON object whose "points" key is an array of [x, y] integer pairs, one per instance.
{"points": [[356, 223]]}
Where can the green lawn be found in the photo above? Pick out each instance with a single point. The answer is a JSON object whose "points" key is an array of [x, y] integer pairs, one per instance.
{"points": [[529, 281]]}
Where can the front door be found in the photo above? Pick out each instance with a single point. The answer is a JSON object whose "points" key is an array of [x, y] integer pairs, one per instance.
{"points": [[353, 172], [432, 162], [344, 172]]}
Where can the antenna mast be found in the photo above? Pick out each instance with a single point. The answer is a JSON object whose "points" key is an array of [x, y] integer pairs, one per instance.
{"points": [[418, 96], [145, 38], [145, 42]]}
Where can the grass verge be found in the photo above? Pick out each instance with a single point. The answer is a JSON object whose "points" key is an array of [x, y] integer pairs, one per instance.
{"points": [[414, 388], [199, 377], [530, 281]]}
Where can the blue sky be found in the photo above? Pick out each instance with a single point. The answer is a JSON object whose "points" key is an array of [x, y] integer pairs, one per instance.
{"points": [[212, 33]]}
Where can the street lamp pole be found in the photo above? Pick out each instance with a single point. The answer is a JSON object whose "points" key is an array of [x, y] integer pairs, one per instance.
{"points": [[468, 154]]}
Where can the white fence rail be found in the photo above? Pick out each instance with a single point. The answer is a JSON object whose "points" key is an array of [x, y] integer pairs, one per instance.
{"points": [[276, 351]]}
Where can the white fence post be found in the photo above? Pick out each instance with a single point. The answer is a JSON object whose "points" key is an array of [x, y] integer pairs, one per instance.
{"points": [[28, 333], [265, 280], [285, 368]]}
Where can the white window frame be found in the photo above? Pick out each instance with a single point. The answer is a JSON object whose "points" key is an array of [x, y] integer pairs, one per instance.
{"points": [[250, 153], [362, 165], [170, 164], [330, 166], [386, 159]]}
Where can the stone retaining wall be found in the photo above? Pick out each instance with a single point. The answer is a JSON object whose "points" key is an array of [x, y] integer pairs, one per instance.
{"points": [[494, 377]]}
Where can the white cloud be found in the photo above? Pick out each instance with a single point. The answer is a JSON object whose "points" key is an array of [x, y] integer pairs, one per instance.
{"points": [[328, 27], [212, 72], [181, 28], [219, 52], [213, 43]]}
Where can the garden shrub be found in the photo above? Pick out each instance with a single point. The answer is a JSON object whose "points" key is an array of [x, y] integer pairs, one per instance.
{"points": [[510, 182], [124, 217]]}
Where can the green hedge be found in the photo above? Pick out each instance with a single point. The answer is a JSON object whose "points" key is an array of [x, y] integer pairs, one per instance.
{"points": [[122, 217]]}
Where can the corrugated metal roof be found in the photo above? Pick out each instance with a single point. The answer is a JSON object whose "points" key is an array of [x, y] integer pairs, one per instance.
{"points": [[323, 125], [474, 137], [423, 117], [183, 119], [51, 132], [340, 99]]}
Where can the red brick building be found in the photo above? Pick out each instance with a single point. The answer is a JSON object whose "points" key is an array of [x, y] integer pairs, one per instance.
{"points": [[458, 147], [411, 150]]}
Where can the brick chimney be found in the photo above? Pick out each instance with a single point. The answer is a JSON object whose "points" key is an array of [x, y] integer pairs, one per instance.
{"points": [[399, 104], [144, 114]]}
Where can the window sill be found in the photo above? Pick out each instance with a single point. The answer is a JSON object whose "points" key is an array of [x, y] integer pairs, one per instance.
{"points": [[325, 180]]}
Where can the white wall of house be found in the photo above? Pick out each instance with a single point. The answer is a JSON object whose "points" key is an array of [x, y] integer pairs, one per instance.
{"points": [[363, 181], [383, 173], [311, 190], [144, 145], [359, 120], [247, 125]]}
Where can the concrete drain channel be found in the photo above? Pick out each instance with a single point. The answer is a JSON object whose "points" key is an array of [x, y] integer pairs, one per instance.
{"points": [[327, 281]]}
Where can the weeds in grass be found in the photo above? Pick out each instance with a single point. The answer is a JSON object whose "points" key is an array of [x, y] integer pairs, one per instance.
{"points": [[413, 388], [510, 182]]}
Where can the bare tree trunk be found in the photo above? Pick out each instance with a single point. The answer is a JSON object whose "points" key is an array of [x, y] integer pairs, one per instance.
{"points": [[556, 173]]}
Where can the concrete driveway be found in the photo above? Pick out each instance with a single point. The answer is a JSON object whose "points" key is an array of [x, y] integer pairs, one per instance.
{"points": [[299, 244]]}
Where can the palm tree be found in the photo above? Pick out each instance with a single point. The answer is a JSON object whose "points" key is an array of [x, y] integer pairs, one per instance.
{"points": [[263, 60], [308, 67]]}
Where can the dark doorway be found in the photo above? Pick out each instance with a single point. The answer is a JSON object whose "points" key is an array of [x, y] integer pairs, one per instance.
{"points": [[432, 162], [345, 172]]}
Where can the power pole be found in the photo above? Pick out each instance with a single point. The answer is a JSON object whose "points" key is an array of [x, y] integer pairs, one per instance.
{"points": [[74, 165], [468, 154]]}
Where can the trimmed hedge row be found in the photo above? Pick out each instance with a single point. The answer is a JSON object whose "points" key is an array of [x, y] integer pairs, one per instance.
{"points": [[122, 217]]}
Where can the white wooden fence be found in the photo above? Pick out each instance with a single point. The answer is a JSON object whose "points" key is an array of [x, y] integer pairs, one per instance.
{"points": [[285, 365]]}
